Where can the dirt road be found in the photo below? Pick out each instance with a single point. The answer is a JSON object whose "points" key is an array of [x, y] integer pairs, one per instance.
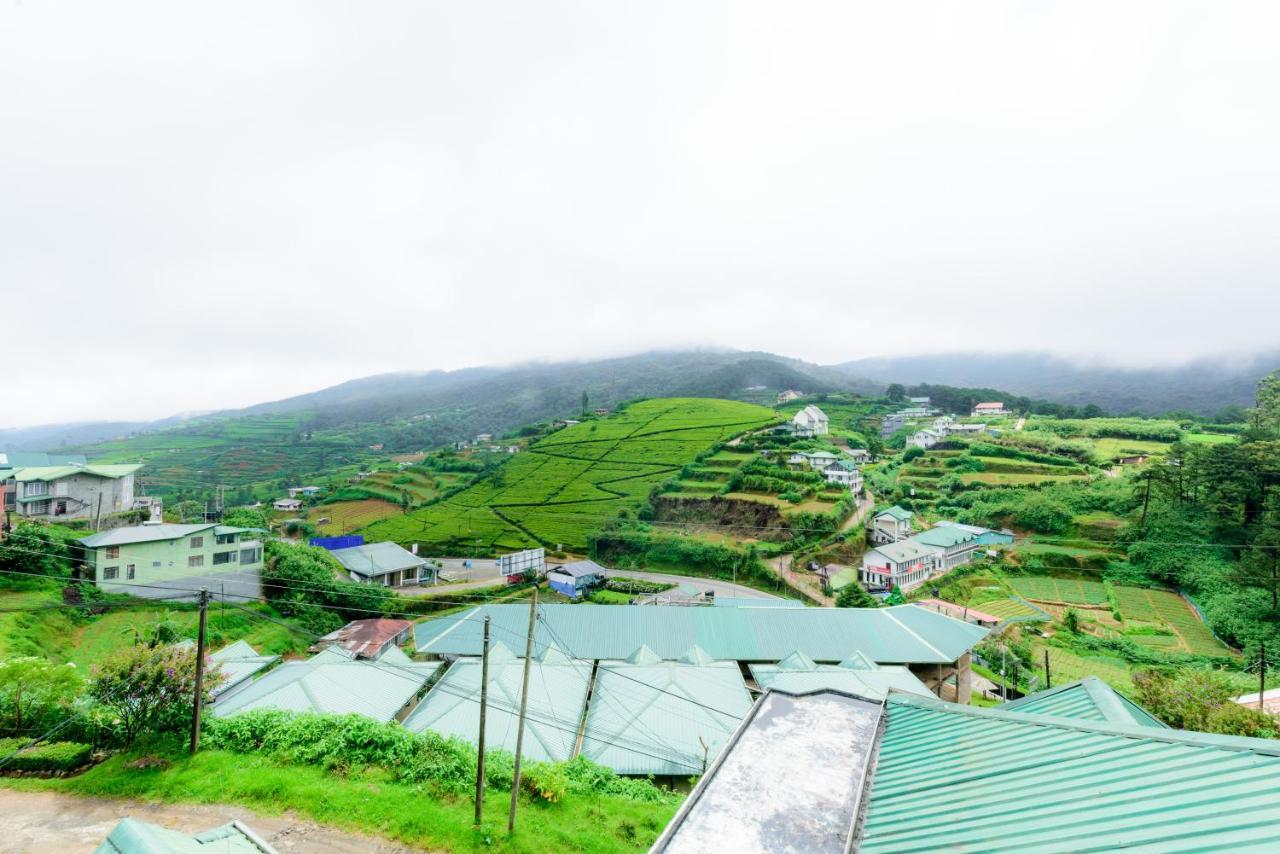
{"points": [[49, 821]]}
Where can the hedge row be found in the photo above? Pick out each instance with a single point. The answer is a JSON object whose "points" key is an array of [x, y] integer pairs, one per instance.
{"points": [[49, 757]]}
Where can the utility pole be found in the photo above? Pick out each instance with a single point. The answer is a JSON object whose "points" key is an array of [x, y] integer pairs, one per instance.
{"points": [[199, 697], [1004, 683], [1048, 683], [1262, 674], [524, 700], [484, 702]]}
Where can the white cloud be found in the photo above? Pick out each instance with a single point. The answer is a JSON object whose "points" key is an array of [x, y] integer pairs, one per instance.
{"points": [[206, 207]]}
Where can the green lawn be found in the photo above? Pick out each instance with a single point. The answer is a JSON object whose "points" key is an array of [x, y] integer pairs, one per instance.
{"points": [[369, 801]]}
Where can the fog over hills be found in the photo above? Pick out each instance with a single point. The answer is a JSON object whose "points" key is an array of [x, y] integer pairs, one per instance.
{"points": [[509, 396]]}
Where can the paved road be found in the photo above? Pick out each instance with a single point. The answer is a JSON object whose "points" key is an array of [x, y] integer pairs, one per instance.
{"points": [[724, 589], [51, 821]]}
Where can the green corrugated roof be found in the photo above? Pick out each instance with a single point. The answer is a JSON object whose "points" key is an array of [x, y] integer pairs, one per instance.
{"points": [[873, 683], [131, 836], [945, 537], [557, 697], [905, 550], [898, 635], [962, 778], [1089, 699], [655, 718], [141, 534], [377, 558], [896, 512], [331, 682], [30, 473], [239, 661]]}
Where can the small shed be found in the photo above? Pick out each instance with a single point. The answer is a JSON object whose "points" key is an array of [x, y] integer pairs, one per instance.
{"points": [[387, 564], [575, 579], [367, 638], [289, 505]]}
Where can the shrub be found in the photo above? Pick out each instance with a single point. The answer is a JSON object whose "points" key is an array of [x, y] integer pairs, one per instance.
{"points": [[49, 757], [915, 452], [544, 782]]}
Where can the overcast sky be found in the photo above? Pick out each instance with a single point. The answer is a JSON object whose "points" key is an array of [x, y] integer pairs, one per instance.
{"points": [[217, 204]]}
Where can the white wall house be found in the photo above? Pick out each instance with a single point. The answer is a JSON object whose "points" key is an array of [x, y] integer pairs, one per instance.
{"points": [[810, 421], [904, 564], [925, 439], [844, 473], [70, 491], [889, 526], [993, 408]]}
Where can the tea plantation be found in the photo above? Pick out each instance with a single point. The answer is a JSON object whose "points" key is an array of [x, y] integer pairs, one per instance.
{"points": [[562, 488]]}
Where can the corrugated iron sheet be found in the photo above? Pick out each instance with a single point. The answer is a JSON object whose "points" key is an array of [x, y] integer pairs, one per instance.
{"points": [[1089, 699], [957, 778]]}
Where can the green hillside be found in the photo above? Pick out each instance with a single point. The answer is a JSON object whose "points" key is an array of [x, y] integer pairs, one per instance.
{"points": [[567, 484]]}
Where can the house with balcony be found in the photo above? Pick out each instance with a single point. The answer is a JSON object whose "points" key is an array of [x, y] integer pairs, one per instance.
{"points": [[890, 526], [844, 473], [72, 491], [954, 545], [905, 564], [156, 560]]}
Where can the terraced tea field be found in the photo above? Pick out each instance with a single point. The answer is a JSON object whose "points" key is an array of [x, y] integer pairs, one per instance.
{"points": [[562, 488], [1070, 591], [346, 516]]}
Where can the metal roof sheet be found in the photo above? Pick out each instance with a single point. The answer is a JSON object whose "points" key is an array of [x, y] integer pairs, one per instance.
{"points": [[29, 473], [943, 537], [897, 635], [333, 683], [131, 836], [681, 713], [142, 534], [872, 683], [377, 558], [963, 778], [905, 550], [895, 512], [239, 661], [557, 698], [1088, 699]]}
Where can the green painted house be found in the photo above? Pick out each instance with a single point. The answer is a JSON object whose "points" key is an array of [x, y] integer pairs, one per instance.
{"points": [[154, 560]]}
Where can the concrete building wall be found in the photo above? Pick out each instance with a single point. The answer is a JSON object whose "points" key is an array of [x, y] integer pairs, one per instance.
{"points": [[80, 494], [183, 564]]}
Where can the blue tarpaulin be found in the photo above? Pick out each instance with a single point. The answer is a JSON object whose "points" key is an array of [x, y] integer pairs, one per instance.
{"points": [[332, 543]]}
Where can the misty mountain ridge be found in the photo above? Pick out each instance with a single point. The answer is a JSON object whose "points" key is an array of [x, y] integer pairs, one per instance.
{"points": [[505, 398]]}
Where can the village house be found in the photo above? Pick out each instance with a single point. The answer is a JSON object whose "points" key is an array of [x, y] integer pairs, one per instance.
{"points": [[890, 526], [74, 491], [789, 395], [905, 564], [919, 401], [810, 421], [387, 564], [954, 545], [575, 579], [989, 409], [483, 438], [153, 560], [844, 473], [984, 536], [815, 460], [288, 505], [304, 491], [860, 456], [891, 424], [925, 439]]}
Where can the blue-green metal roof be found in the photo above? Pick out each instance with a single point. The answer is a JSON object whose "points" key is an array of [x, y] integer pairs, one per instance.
{"points": [[898, 635], [895, 512], [331, 682], [238, 662], [36, 473], [131, 836], [959, 778], [681, 713], [798, 675], [944, 537], [1089, 699], [557, 699]]}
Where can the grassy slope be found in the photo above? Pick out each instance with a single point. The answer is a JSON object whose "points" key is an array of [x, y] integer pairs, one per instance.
{"points": [[372, 803], [566, 485]]}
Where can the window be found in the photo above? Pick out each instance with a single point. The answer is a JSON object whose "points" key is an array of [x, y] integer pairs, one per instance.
{"points": [[224, 539], [110, 572], [224, 557], [129, 571], [36, 487], [155, 564], [195, 560], [197, 542], [38, 508], [250, 555], [113, 552]]}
